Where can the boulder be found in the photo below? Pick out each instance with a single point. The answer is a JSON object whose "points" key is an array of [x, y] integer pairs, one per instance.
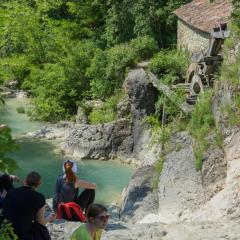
{"points": [[100, 141], [139, 198], [142, 94]]}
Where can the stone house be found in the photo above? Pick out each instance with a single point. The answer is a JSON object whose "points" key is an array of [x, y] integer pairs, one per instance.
{"points": [[196, 20]]}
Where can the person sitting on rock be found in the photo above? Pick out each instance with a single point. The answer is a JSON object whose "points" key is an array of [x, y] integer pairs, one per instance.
{"points": [[97, 220], [6, 184], [24, 207], [67, 186]]}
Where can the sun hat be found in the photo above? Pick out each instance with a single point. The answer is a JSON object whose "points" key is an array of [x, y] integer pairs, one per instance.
{"points": [[74, 165]]}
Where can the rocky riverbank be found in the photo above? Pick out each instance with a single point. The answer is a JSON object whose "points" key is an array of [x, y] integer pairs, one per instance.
{"points": [[187, 204], [126, 139], [179, 208]]}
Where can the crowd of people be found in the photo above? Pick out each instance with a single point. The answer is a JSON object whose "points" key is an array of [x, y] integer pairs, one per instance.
{"points": [[24, 206]]}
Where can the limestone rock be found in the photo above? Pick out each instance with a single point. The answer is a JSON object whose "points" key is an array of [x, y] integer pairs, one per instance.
{"points": [[123, 107], [100, 140], [180, 185], [141, 93], [139, 198], [81, 116], [174, 231]]}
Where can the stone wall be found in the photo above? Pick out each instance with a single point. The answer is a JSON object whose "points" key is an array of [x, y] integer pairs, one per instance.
{"points": [[190, 38]]}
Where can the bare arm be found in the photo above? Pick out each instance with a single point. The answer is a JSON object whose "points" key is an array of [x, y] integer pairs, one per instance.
{"points": [[84, 184], [15, 178], [41, 219]]}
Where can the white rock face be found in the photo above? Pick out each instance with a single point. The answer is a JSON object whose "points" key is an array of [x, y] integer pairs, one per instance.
{"points": [[224, 206], [175, 231], [180, 185]]}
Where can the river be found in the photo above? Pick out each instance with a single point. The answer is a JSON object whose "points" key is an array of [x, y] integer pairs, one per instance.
{"points": [[40, 155]]}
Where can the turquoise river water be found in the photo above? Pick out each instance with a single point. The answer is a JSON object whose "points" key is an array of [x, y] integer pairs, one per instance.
{"points": [[39, 155]]}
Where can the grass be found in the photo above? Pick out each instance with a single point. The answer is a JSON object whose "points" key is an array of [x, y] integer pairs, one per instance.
{"points": [[158, 166], [201, 125]]}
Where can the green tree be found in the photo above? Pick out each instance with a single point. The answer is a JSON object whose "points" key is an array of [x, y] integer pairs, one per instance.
{"points": [[58, 87], [108, 69], [7, 145], [66, 51], [119, 22]]}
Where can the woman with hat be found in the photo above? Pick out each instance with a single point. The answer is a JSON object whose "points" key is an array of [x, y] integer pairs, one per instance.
{"points": [[67, 186]]}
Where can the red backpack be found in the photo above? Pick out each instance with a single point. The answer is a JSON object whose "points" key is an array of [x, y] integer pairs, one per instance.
{"points": [[70, 211]]}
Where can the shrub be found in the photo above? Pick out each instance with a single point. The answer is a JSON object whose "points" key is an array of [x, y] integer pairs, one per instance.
{"points": [[144, 47], [21, 110], [202, 123], [171, 106], [108, 69], [158, 166], [7, 145], [59, 86], [170, 66], [153, 121], [108, 112], [14, 68], [230, 70], [6, 231]]}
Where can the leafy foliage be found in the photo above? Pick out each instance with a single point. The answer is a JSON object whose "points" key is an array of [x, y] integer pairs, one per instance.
{"points": [[158, 166], [108, 112], [170, 66], [230, 72], [202, 123], [6, 231], [66, 51], [144, 47], [129, 19], [7, 144], [108, 68]]}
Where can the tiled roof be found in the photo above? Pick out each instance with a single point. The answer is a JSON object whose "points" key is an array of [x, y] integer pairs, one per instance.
{"points": [[204, 15]]}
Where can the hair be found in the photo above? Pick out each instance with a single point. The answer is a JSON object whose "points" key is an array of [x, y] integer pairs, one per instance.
{"points": [[70, 175], [95, 209], [33, 179], [5, 182]]}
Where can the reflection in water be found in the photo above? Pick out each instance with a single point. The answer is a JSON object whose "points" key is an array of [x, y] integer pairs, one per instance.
{"points": [[39, 155]]}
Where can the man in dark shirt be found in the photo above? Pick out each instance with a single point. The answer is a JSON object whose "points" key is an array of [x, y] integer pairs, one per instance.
{"points": [[24, 205]]}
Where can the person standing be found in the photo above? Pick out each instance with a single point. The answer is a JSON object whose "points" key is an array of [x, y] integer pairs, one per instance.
{"points": [[97, 220], [24, 205]]}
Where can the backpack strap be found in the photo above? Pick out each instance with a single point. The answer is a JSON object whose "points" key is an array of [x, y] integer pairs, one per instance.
{"points": [[66, 207], [77, 210], [70, 211]]}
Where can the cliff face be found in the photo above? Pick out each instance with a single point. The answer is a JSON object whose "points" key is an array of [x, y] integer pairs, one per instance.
{"points": [[188, 204]]}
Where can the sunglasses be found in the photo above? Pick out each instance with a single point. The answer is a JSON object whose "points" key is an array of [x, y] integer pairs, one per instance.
{"points": [[102, 218]]}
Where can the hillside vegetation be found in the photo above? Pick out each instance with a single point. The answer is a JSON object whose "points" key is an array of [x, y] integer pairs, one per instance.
{"points": [[65, 52]]}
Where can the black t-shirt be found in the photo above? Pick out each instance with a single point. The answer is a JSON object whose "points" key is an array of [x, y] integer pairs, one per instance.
{"points": [[20, 207]]}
